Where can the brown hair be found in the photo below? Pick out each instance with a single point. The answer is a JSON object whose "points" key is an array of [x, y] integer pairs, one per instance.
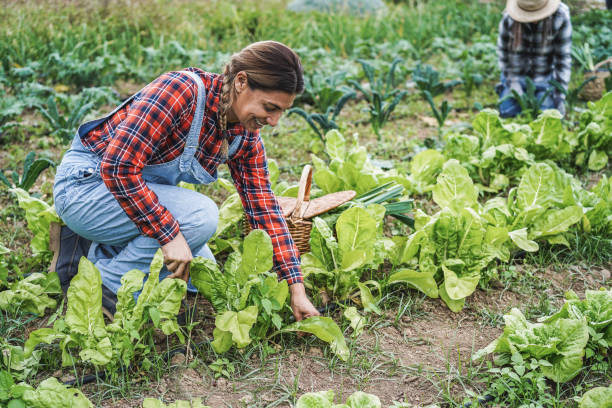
{"points": [[270, 66]]}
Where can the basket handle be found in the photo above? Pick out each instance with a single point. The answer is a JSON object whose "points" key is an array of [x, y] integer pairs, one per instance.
{"points": [[604, 62], [303, 192]]}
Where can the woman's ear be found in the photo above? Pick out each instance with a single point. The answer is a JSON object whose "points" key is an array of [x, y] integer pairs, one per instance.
{"points": [[240, 82]]}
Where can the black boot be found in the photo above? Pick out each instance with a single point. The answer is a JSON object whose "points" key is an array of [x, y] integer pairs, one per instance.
{"points": [[68, 248]]}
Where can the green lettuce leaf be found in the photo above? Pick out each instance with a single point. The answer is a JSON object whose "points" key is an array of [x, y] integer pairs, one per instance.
{"points": [[51, 394], [325, 329]]}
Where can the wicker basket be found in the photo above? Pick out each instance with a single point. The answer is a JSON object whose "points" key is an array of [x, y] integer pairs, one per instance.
{"points": [[593, 90], [298, 211]]}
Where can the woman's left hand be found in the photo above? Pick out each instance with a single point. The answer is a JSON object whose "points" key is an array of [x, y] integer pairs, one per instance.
{"points": [[300, 304]]}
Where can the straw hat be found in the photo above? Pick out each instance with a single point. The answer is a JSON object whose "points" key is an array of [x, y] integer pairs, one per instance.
{"points": [[528, 11]]}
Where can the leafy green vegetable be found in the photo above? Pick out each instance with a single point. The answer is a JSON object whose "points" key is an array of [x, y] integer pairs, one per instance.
{"points": [[561, 343], [325, 399], [598, 397], [349, 168], [83, 326], [39, 216], [32, 294], [51, 393], [249, 299], [325, 329], [336, 265], [448, 251]]}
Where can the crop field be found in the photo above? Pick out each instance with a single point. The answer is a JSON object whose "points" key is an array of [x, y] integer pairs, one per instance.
{"points": [[472, 269]]}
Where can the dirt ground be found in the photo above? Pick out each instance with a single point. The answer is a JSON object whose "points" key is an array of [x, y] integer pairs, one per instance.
{"points": [[420, 359]]}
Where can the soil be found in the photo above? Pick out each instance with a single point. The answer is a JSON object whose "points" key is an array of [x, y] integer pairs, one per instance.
{"points": [[417, 360]]}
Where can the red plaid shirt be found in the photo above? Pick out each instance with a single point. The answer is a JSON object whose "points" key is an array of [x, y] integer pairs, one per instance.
{"points": [[153, 128]]}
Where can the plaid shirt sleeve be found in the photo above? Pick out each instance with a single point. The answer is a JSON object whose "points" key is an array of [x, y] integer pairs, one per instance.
{"points": [[153, 114], [250, 174], [562, 47]]}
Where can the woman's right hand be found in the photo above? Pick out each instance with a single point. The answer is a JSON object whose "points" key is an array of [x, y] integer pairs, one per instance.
{"points": [[177, 257]]}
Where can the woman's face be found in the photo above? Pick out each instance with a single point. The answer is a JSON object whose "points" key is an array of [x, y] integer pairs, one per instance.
{"points": [[256, 108]]}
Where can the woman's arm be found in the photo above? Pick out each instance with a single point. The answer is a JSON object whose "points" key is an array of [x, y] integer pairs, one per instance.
{"points": [[250, 174], [149, 119]]}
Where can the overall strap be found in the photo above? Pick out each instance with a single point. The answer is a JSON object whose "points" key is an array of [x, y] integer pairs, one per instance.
{"points": [[196, 124], [88, 126]]}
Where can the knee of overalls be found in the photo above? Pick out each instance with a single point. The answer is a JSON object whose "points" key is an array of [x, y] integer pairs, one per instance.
{"points": [[201, 222]]}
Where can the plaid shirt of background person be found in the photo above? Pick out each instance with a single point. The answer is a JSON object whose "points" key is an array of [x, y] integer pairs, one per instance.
{"points": [[153, 128], [537, 57]]}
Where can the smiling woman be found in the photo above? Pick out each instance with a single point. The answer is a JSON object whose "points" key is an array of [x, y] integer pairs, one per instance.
{"points": [[117, 184]]}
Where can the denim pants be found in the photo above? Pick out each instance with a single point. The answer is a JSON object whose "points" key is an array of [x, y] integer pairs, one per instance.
{"points": [[509, 108], [85, 204]]}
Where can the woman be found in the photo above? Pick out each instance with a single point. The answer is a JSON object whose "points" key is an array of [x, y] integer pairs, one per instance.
{"points": [[535, 39], [116, 185]]}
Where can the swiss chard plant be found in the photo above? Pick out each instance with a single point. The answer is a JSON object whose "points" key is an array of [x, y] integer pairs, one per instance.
{"points": [[335, 266], [249, 299], [382, 95], [82, 331], [39, 215]]}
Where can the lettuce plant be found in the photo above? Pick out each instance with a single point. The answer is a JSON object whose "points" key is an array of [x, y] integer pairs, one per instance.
{"points": [[33, 294], [335, 265], [448, 251], [129, 335], [596, 308], [249, 299], [558, 346], [3, 267], [424, 168], [49, 393], [349, 168], [594, 145], [596, 398], [541, 207], [325, 399]]}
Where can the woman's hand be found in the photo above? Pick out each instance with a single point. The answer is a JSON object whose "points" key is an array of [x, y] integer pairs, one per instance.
{"points": [[300, 304], [177, 257]]}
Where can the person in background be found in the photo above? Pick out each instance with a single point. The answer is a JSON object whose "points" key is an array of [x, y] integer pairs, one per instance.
{"points": [[535, 39]]}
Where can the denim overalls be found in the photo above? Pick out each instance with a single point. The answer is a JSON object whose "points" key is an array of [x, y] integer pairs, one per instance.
{"points": [[84, 203]]}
